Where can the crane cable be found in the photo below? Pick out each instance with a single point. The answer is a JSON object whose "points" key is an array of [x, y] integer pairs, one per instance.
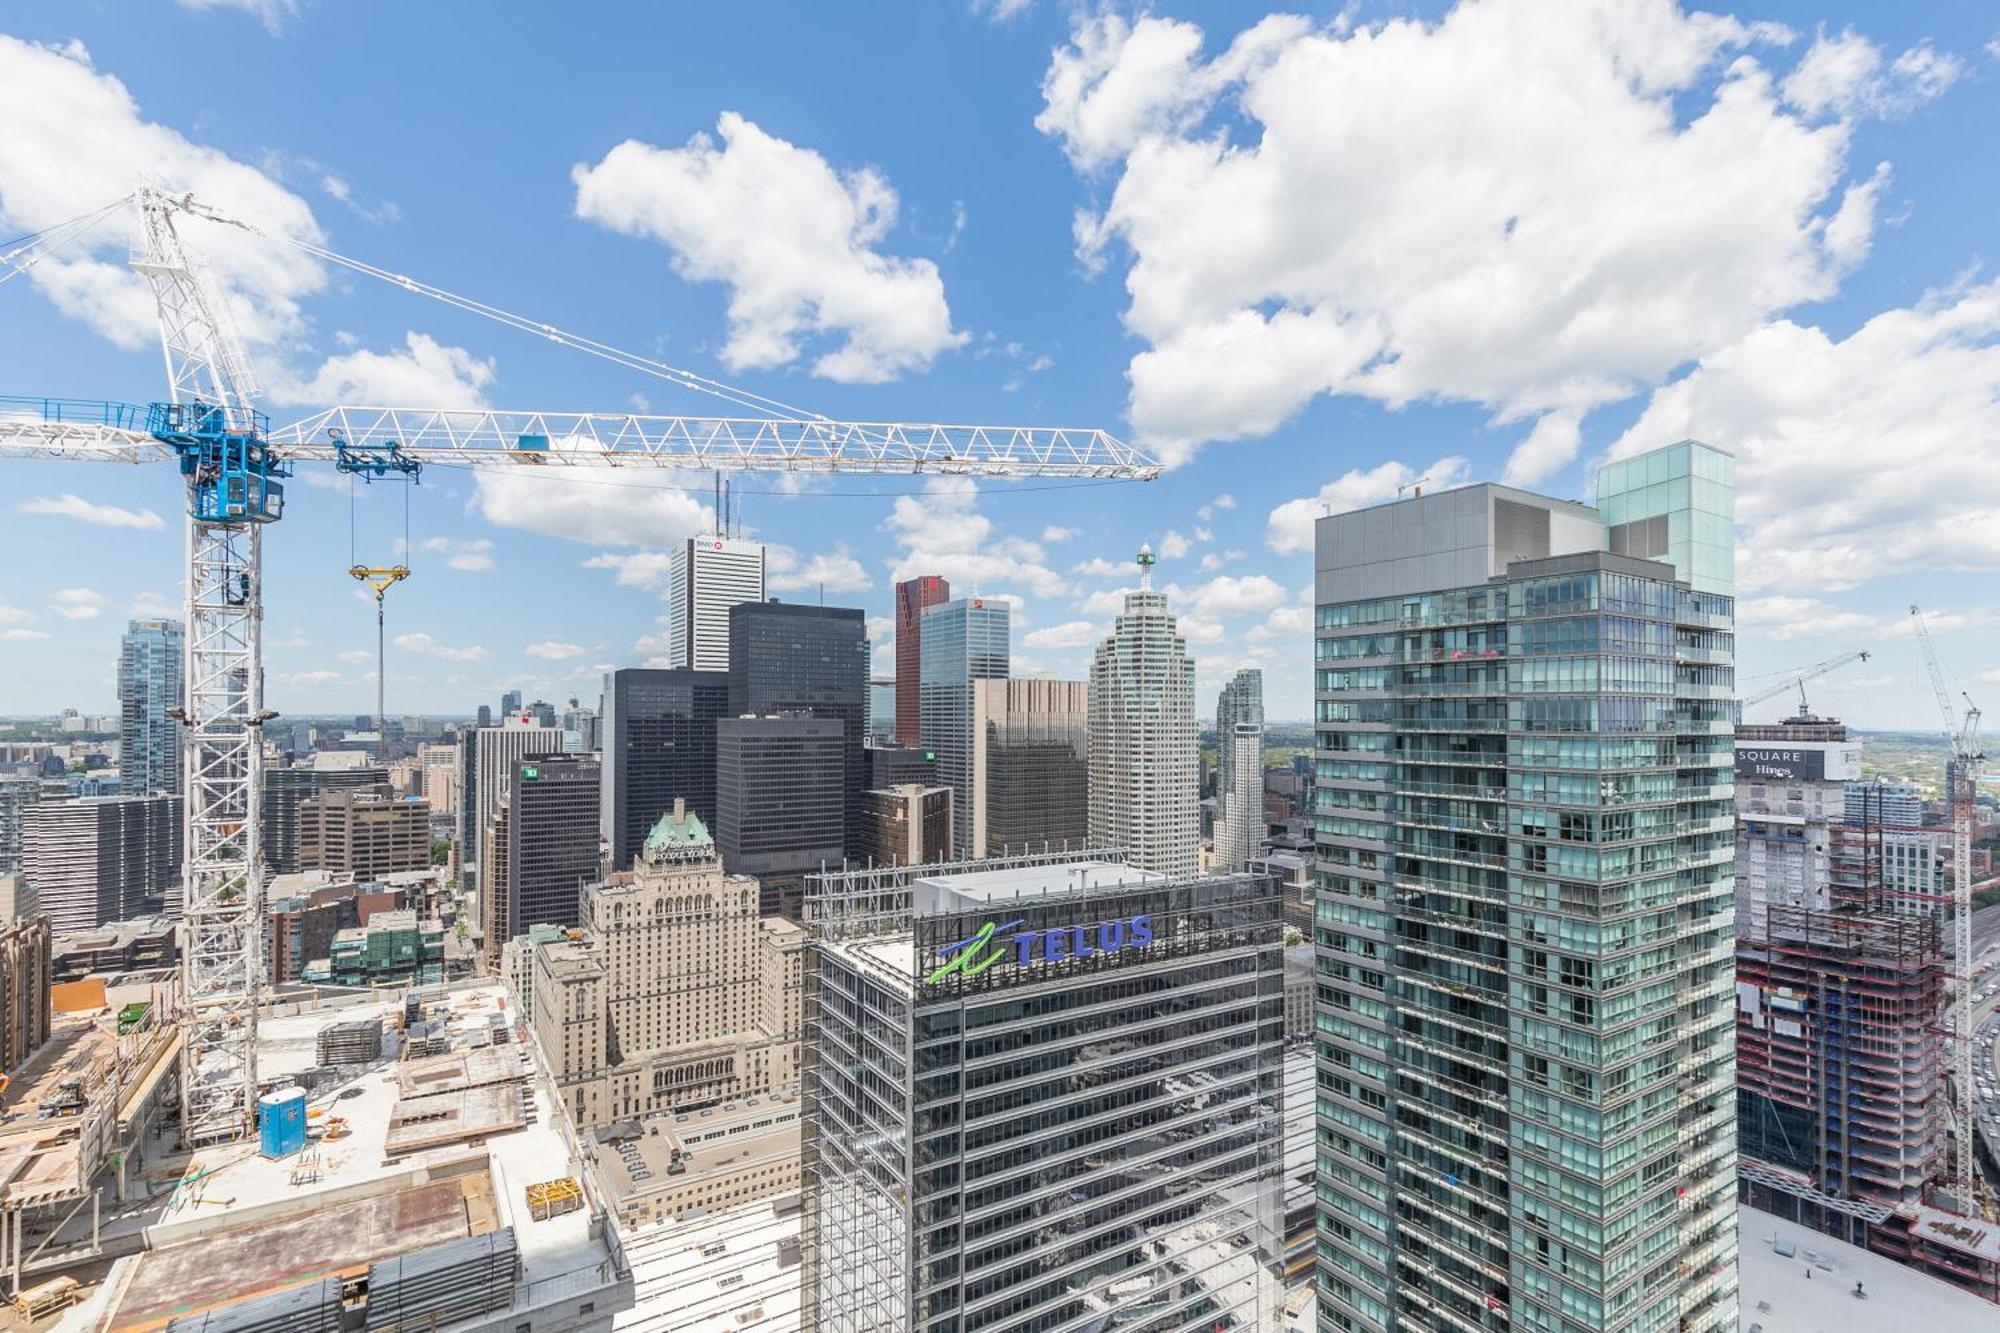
{"points": [[744, 398], [23, 252]]}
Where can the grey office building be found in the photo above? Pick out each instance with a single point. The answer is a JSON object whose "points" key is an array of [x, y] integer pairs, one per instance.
{"points": [[659, 747], [780, 801], [964, 641], [1031, 765], [1524, 916], [101, 858], [149, 689], [806, 659], [1043, 1094]]}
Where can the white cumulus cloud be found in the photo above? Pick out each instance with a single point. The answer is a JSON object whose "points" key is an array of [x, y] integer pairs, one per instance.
{"points": [[68, 505], [785, 570], [943, 532], [468, 556], [78, 603], [554, 650], [794, 239], [1069, 634], [1628, 189], [424, 645]]}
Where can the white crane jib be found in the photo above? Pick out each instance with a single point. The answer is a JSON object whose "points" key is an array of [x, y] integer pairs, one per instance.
{"points": [[234, 466]]}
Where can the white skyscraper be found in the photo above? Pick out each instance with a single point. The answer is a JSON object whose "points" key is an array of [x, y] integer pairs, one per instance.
{"points": [[1240, 830], [489, 756], [705, 577], [1144, 748]]}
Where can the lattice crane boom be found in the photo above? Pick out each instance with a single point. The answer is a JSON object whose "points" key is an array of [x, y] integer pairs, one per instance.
{"points": [[1798, 679]]}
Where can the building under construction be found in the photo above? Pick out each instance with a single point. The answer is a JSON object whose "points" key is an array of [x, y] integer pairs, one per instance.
{"points": [[1841, 993]]}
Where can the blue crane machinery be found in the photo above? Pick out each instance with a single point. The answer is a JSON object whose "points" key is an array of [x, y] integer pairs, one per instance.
{"points": [[234, 466]]}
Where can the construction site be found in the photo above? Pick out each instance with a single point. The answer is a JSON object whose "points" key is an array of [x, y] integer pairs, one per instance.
{"points": [[1850, 1119]]}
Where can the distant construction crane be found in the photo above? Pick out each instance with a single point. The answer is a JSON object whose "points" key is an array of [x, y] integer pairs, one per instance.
{"points": [[1961, 786], [1799, 679], [233, 466]]}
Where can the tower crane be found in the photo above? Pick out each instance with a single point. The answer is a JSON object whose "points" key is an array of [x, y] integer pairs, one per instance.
{"points": [[1960, 788], [1798, 679], [233, 467]]}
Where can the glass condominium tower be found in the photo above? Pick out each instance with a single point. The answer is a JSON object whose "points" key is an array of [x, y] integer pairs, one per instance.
{"points": [[1523, 925]]}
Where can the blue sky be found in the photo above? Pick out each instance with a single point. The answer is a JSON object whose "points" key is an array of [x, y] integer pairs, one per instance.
{"points": [[1306, 258]]}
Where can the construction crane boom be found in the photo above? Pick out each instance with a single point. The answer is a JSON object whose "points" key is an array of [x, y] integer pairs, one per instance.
{"points": [[1960, 789], [233, 466], [1798, 679]]}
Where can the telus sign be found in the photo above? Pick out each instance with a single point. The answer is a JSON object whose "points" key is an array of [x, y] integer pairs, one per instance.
{"points": [[1005, 940]]}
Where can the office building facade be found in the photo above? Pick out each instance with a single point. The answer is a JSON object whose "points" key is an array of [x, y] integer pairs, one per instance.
{"points": [[286, 790], [786, 658], [489, 755], [18, 791], [364, 835], [964, 642], [1145, 754], [1030, 766], [659, 747], [781, 800], [1524, 839], [150, 658], [543, 848], [913, 598], [1791, 782], [27, 971], [706, 577], [1241, 700], [1046, 1095], [101, 858], [906, 826], [678, 992]]}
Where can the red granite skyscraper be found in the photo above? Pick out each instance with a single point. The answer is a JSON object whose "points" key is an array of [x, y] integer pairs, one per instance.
{"points": [[912, 596]]}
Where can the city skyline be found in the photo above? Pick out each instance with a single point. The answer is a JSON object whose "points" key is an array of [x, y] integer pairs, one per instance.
{"points": [[1885, 305]]}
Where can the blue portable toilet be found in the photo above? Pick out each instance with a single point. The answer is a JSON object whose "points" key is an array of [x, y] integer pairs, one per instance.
{"points": [[281, 1121]]}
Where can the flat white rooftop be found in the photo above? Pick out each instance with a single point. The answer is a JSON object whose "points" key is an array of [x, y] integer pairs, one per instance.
{"points": [[730, 1271], [973, 889], [1896, 1297]]}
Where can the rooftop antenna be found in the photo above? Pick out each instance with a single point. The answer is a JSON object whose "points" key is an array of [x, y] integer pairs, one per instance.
{"points": [[721, 528], [1146, 560]]}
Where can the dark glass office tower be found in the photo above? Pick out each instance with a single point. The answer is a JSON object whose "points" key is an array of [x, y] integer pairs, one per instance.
{"points": [[780, 801], [547, 835], [1043, 1095], [659, 745], [806, 659]]}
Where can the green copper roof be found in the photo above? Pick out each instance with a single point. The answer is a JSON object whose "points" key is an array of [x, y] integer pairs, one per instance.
{"points": [[677, 833]]}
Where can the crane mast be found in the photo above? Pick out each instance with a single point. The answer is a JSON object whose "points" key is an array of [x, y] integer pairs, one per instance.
{"points": [[1960, 789]]}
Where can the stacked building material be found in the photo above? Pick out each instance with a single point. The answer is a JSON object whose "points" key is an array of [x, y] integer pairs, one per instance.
{"points": [[312, 1308], [356, 1042], [443, 1284]]}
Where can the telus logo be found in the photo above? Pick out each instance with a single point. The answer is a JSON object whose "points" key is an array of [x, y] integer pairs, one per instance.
{"points": [[998, 941]]}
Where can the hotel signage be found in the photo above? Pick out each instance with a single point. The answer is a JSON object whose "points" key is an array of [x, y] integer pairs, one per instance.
{"points": [[1007, 941]]}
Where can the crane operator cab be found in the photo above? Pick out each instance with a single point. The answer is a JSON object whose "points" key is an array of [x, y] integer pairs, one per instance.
{"points": [[232, 476]]}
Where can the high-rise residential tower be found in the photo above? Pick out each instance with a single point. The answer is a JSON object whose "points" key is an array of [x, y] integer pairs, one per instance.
{"points": [[786, 658], [1241, 700], [1145, 755], [913, 598], [1524, 843], [706, 576], [659, 747], [1030, 765], [149, 691], [964, 642], [101, 858]]}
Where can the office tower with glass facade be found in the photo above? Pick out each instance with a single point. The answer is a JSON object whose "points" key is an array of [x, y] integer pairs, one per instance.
{"points": [[149, 689], [964, 642], [1145, 753], [780, 799], [1241, 700], [1031, 765], [1239, 833], [1043, 1095], [490, 754], [913, 598], [510, 705], [785, 658], [706, 576], [543, 848], [286, 790], [1524, 836], [906, 826], [659, 747]]}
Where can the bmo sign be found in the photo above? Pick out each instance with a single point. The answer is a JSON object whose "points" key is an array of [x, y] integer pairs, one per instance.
{"points": [[1807, 761]]}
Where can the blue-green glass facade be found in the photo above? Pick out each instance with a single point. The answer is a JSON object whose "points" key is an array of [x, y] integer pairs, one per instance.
{"points": [[1523, 807]]}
